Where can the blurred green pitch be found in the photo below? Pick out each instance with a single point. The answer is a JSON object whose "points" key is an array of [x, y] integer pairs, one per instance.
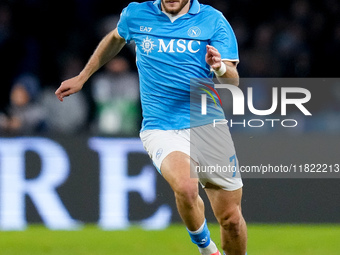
{"points": [[263, 240]]}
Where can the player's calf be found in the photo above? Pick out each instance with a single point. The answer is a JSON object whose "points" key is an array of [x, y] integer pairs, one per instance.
{"points": [[234, 234]]}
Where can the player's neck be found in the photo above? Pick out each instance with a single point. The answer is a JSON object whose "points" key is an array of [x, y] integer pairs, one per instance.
{"points": [[173, 17]]}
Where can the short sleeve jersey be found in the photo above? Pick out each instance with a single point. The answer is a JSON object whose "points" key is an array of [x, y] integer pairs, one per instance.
{"points": [[170, 54]]}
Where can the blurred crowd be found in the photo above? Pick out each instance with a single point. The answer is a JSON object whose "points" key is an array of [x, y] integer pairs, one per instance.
{"points": [[43, 43]]}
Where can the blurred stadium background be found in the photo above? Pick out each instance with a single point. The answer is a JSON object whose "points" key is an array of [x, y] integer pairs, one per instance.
{"points": [[80, 162]]}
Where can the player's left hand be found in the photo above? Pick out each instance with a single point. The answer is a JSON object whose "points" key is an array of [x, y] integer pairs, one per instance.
{"points": [[213, 58]]}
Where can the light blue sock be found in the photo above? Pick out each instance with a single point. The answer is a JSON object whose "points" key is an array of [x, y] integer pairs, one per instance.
{"points": [[201, 237]]}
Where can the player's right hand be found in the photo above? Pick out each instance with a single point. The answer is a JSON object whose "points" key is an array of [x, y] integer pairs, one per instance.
{"points": [[69, 87]]}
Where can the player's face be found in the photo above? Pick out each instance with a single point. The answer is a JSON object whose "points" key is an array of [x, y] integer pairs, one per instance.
{"points": [[174, 7]]}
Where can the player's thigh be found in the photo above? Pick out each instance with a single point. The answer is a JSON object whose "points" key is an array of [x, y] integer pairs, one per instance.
{"points": [[225, 204], [170, 153], [176, 169]]}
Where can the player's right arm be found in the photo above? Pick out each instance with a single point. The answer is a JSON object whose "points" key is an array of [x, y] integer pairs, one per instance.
{"points": [[108, 48]]}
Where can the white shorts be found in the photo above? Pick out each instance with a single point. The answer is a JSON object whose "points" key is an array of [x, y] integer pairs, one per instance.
{"points": [[211, 147]]}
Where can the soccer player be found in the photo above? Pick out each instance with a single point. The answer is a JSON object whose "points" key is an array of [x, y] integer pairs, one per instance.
{"points": [[177, 41]]}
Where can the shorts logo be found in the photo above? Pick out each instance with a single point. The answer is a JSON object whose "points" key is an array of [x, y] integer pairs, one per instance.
{"points": [[194, 32], [159, 153], [147, 45]]}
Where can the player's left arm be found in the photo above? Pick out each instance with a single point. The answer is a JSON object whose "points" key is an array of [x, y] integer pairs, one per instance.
{"points": [[223, 69]]}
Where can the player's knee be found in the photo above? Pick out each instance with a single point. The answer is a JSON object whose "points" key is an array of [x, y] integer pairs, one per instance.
{"points": [[186, 193], [232, 223]]}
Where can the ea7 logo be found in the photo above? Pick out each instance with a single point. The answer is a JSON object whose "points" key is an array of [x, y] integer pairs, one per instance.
{"points": [[145, 29]]}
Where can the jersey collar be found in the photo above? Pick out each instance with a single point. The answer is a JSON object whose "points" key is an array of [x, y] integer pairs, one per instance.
{"points": [[194, 8]]}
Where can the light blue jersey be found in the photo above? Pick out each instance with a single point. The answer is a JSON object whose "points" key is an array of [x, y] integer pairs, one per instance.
{"points": [[170, 54]]}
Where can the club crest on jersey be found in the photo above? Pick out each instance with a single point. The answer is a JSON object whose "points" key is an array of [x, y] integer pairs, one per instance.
{"points": [[194, 32], [147, 45]]}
